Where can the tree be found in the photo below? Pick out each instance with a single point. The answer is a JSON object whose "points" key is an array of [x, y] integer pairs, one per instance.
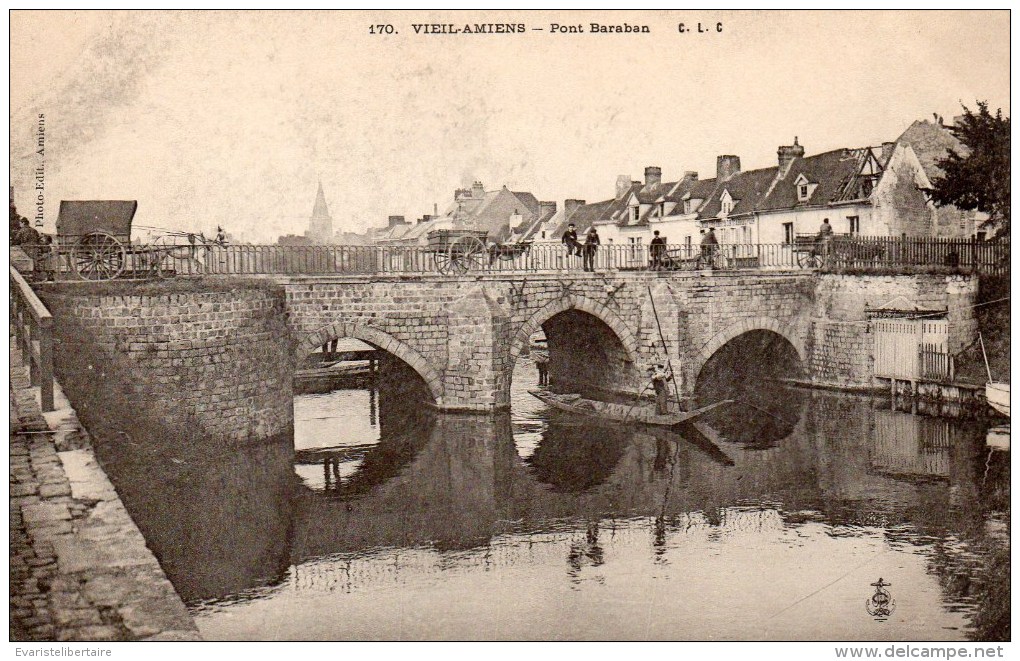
{"points": [[979, 177]]}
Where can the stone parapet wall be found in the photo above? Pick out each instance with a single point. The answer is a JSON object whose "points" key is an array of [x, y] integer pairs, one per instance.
{"points": [[215, 363], [841, 351]]}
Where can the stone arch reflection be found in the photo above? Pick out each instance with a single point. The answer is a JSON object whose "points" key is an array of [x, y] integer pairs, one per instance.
{"points": [[574, 457]]}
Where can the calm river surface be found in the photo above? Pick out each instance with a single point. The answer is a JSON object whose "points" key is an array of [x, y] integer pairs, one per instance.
{"points": [[768, 520]]}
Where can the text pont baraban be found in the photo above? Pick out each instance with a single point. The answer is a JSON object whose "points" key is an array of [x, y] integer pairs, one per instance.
{"points": [[514, 28]]}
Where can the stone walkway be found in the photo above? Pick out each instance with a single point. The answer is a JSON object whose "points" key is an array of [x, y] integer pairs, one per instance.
{"points": [[79, 567]]}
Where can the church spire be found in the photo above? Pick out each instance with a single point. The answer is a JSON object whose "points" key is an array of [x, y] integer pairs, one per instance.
{"points": [[320, 211], [320, 225]]}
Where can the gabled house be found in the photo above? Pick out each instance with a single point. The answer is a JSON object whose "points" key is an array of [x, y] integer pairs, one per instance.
{"points": [[931, 141], [865, 191], [499, 213]]}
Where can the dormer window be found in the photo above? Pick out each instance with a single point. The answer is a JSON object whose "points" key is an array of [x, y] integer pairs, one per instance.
{"points": [[725, 203], [635, 213], [804, 188]]}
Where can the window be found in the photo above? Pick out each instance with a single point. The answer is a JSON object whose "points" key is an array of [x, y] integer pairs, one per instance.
{"points": [[727, 206], [543, 235], [635, 246], [802, 192], [635, 213], [855, 225], [787, 232], [687, 206]]}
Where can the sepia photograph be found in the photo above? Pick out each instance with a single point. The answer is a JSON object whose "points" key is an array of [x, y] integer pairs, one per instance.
{"points": [[688, 326]]}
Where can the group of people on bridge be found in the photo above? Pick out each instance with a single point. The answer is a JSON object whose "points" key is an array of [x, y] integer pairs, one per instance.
{"points": [[587, 250]]}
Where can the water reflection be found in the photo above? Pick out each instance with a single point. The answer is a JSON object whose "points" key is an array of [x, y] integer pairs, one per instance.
{"points": [[537, 525]]}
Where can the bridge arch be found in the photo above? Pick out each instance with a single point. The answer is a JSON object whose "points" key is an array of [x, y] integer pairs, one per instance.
{"points": [[433, 380], [589, 346], [737, 329], [582, 304]]}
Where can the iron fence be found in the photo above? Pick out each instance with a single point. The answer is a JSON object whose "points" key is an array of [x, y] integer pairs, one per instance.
{"points": [[67, 262]]}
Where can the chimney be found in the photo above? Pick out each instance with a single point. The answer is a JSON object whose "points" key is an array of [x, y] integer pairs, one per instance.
{"points": [[691, 175], [570, 206], [396, 220], [887, 150], [546, 208], [653, 175], [726, 166], [461, 193], [622, 185], [435, 209], [477, 191], [787, 155]]}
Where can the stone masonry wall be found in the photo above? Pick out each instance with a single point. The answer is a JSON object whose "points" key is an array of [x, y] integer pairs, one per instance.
{"points": [[213, 363], [841, 345], [463, 335]]}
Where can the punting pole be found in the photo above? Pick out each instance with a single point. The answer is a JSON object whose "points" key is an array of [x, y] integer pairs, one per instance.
{"points": [[985, 356], [665, 349]]}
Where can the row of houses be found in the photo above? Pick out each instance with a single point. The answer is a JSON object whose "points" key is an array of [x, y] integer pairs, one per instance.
{"points": [[867, 191]]}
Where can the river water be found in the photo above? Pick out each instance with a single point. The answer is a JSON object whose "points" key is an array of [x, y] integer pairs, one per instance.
{"points": [[770, 519]]}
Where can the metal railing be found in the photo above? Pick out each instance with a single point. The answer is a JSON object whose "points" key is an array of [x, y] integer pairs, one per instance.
{"points": [[64, 262], [33, 331]]}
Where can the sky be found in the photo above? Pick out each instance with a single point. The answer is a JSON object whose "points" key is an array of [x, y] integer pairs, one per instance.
{"points": [[232, 118]]}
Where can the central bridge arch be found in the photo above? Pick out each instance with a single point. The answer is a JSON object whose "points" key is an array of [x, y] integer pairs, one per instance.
{"points": [[604, 333]]}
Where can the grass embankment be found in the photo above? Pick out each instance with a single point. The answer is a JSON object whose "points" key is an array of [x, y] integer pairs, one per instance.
{"points": [[993, 323]]}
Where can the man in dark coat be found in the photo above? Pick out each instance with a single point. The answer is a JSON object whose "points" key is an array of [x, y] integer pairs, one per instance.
{"points": [[709, 248], [657, 249], [570, 241], [591, 245]]}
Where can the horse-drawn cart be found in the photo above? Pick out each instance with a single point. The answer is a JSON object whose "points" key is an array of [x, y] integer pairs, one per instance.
{"points": [[457, 251], [95, 238], [94, 242]]}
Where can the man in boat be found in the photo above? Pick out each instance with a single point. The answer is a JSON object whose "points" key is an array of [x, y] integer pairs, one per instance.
{"points": [[660, 377]]}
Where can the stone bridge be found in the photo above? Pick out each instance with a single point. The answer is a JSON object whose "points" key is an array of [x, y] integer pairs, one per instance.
{"points": [[463, 336], [221, 353]]}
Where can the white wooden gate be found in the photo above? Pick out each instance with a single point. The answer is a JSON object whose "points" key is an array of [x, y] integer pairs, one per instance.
{"points": [[898, 346]]}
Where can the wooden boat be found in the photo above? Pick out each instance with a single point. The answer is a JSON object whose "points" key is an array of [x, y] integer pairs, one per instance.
{"points": [[620, 412], [998, 438], [997, 395], [328, 370]]}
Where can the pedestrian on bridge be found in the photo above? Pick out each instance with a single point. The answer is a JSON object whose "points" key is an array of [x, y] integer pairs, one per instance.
{"points": [[591, 246]]}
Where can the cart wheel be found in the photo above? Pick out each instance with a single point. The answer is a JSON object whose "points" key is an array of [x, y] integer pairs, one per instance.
{"points": [[98, 256], [466, 253], [808, 260], [442, 261]]}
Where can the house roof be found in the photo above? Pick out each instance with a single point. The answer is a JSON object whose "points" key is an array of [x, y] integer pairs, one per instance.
{"points": [[583, 216], [747, 189], [931, 142], [835, 174], [527, 230], [529, 201]]}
